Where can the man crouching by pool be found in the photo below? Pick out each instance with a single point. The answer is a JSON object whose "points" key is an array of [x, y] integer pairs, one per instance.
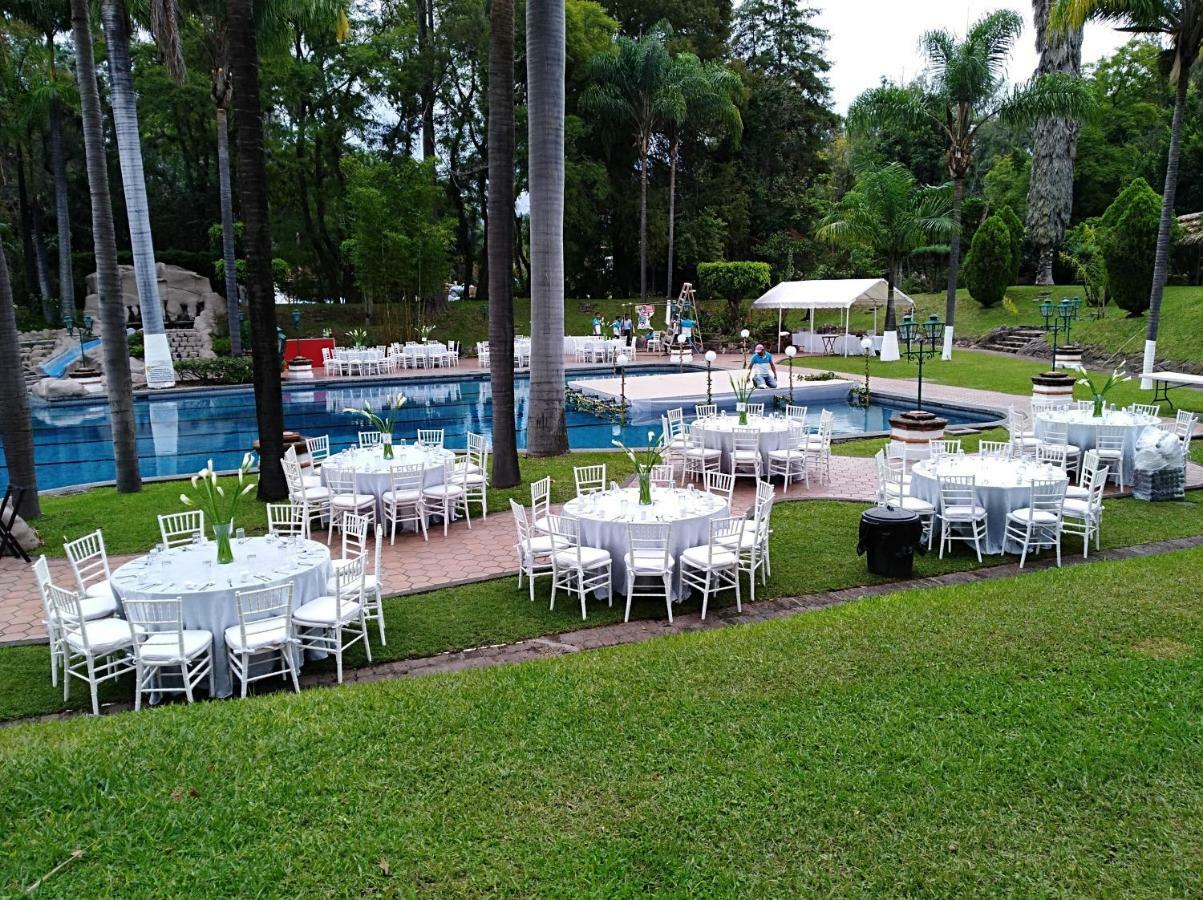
{"points": [[764, 372]]}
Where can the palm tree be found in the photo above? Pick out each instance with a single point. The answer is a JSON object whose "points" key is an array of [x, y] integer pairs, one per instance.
{"points": [[16, 429], [710, 90], [964, 88], [633, 88], [160, 372], [547, 433], [500, 241], [888, 215], [115, 345], [252, 190], [1181, 22], [1054, 146]]}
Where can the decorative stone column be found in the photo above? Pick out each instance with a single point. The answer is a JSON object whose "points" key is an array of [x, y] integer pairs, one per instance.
{"points": [[1069, 357], [1053, 387], [300, 369], [912, 432]]}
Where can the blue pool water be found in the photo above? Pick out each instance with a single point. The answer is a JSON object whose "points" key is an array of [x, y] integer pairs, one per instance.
{"points": [[179, 431]]}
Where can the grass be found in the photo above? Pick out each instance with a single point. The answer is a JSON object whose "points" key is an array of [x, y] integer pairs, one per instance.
{"points": [[495, 612], [865, 447], [1034, 736]]}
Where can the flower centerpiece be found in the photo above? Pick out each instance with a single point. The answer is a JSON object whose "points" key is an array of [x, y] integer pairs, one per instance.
{"points": [[380, 421], [644, 461], [742, 388], [218, 507], [1099, 394], [358, 338], [426, 330]]}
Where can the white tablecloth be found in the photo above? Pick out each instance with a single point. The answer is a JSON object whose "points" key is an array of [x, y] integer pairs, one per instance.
{"points": [[1002, 486], [207, 589], [371, 468], [1081, 425], [808, 342], [718, 432], [603, 522]]}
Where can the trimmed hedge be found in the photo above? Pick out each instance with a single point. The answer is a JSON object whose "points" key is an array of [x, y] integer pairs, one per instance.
{"points": [[733, 280], [988, 269], [223, 370]]}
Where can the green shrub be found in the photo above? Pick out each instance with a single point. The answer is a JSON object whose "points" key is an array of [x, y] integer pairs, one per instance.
{"points": [[987, 269], [733, 280], [223, 370], [1016, 230], [1129, 245]]}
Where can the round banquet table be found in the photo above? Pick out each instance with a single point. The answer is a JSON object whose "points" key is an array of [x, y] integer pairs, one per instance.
{"points": [[1002, 485], [207, 590], [718, 433], [1081, 425], [603, 519], [372, 469]]}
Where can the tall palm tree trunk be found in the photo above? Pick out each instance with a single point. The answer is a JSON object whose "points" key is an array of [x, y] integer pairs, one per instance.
{"points": [[499, 246], [252, 191], [643, 151], [49, 311], [954, 263], [115, 345], [547, 434], [159, 370], [229, 262], [29, 239], [672, 213], [1161, 262], [16, 429], [889, 338], [62, 210]]}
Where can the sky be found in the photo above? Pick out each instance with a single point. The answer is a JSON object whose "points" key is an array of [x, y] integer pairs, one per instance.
{"points": [[870, 39]]}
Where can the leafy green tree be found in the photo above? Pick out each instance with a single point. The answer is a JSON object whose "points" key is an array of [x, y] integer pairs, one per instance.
{"points": [[988, 265], [1083, 254], [891, 217], [965, 89], [1008, 181], [1129, 245], [734, 281], [1180, 24], [1015, 230]]}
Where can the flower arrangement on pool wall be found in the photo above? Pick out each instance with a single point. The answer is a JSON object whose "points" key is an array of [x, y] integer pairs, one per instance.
{"points": [[601, 407], [381, 422], [218, 507]]}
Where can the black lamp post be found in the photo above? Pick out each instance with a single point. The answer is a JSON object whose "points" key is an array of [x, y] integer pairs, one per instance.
{"points": [[922, 340], [82, 330], [711, 356], [620, 363], [791, 351], [1059, 319]]}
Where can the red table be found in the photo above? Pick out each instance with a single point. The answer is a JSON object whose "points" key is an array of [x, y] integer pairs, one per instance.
{"points": [[310, 348]]}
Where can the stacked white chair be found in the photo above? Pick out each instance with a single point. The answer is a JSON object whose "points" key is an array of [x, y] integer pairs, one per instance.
{"points": [[335, 622], [264, 631], [1109, 443], [404, 502], [714, 566], [94, 650], [90, 563], [578, 569], [346, 498], [534, 550], [790, 461], [1083, 516], [447, 498], [1038, 525], [745, 452], [649, 558], [160, 641], [818, 447], [589, 479], [962, 518], [182, 528]]}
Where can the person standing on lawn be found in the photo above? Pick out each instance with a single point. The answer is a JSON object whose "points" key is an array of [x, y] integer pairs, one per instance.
{"points": [[616, 326], [764, 371], [627, 328], [597, 324]]}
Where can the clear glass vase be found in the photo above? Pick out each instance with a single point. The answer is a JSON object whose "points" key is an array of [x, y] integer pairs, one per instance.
{"points": [[1098, 406], [221, 533], [645, 488], [742, 409], [386, 442]]}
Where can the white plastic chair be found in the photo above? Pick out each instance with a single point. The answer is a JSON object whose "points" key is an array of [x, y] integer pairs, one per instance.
{"points": [[1145, 409], [962, 518], [649, 558], [818, 447], [54, 630], [346, 499], [314, 500], [699, 459], [705, 410], [796, 415], [1109, 444], [534, 550], [714, 566], [90, 563], [540, 504], [370, 438], [373, 588], [995, 449], [264, 629], [1038, 525], [1083, 516], [161, 641], [589, 479], [403, 502], [94, 650], [1057, 433], [946, 447], [790, 461], [182, 528], [446, 499], [721, 484], [354, 542], [578, 569], [431, 437], [471, 473], [335, 622], [662, 476], [754, 409], [287, 520], [745, 452]]}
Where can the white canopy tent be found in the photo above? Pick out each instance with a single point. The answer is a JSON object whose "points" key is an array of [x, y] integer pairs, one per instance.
{"points": [[837, 293]]}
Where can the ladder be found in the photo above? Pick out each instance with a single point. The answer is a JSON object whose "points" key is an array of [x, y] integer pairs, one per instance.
{"points": [[685, 307]]}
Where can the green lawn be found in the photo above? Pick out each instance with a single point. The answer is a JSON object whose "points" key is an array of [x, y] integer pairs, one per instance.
{"points": [[1037, 736], [813, 546]]}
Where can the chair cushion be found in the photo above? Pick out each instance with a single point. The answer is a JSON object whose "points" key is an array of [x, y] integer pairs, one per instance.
{"points": [[322, 611], [99, 590], [1075, 492], [701, 452], [538, 545], [745, 455], [1039, 516], [105, 636], [591, 557], [337, 564], [97, 607], [747, 538], [352, 501], [650, 562], [311, 481], [471, 479], [315, 493], [701, 557], [1110, 454], [964, 512], [261, 635], [786, 454], [913, 504], [440, 491], [162, 647], [1076, 507], [389, 498]]}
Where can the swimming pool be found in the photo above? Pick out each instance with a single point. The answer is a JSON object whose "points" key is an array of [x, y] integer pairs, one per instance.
{"points": [[179, 430]]}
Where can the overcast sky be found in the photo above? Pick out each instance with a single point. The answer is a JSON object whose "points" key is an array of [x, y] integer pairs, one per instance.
{"points": [[874, 38]]}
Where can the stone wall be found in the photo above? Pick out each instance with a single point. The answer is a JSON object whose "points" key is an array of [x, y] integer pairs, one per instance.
{"points": [[188, 343]]}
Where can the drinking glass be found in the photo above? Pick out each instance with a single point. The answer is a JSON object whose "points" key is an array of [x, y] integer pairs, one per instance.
{"points": [[240, 535]]}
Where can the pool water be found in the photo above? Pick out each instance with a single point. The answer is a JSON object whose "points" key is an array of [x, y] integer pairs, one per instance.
{"points": [[179, 431]]}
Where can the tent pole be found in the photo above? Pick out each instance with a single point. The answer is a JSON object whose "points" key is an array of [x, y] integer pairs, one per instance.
{"points": [[847, 322], [779, 314]]}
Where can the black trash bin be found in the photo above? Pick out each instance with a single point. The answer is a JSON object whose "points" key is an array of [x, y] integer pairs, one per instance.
{"points": [[889, 538]]}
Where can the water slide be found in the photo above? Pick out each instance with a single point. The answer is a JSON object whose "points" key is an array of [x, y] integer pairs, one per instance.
{"points": [[56, 366]]}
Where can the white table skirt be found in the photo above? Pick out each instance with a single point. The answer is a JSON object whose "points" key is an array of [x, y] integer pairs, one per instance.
{"points": [[812, 342], [718, 434], [1081, 429], [182, 571], [1002, 486], [605, 525], [372, 469]]}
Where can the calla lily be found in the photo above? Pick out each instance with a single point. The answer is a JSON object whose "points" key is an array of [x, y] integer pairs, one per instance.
{"points": [[185, 499], [220, 492]]}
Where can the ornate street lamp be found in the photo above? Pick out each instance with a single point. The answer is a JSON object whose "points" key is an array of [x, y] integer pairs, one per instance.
{"points": [[620, 363], [791, 351], [1059, 319], [743, 345], [922, 340], [711, 356], [82, 330], [680, 353]]}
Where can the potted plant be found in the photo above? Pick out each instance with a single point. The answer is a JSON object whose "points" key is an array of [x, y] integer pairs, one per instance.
{"points": [[358, 338], [381, 422], [644, 460], [219, 508]]}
